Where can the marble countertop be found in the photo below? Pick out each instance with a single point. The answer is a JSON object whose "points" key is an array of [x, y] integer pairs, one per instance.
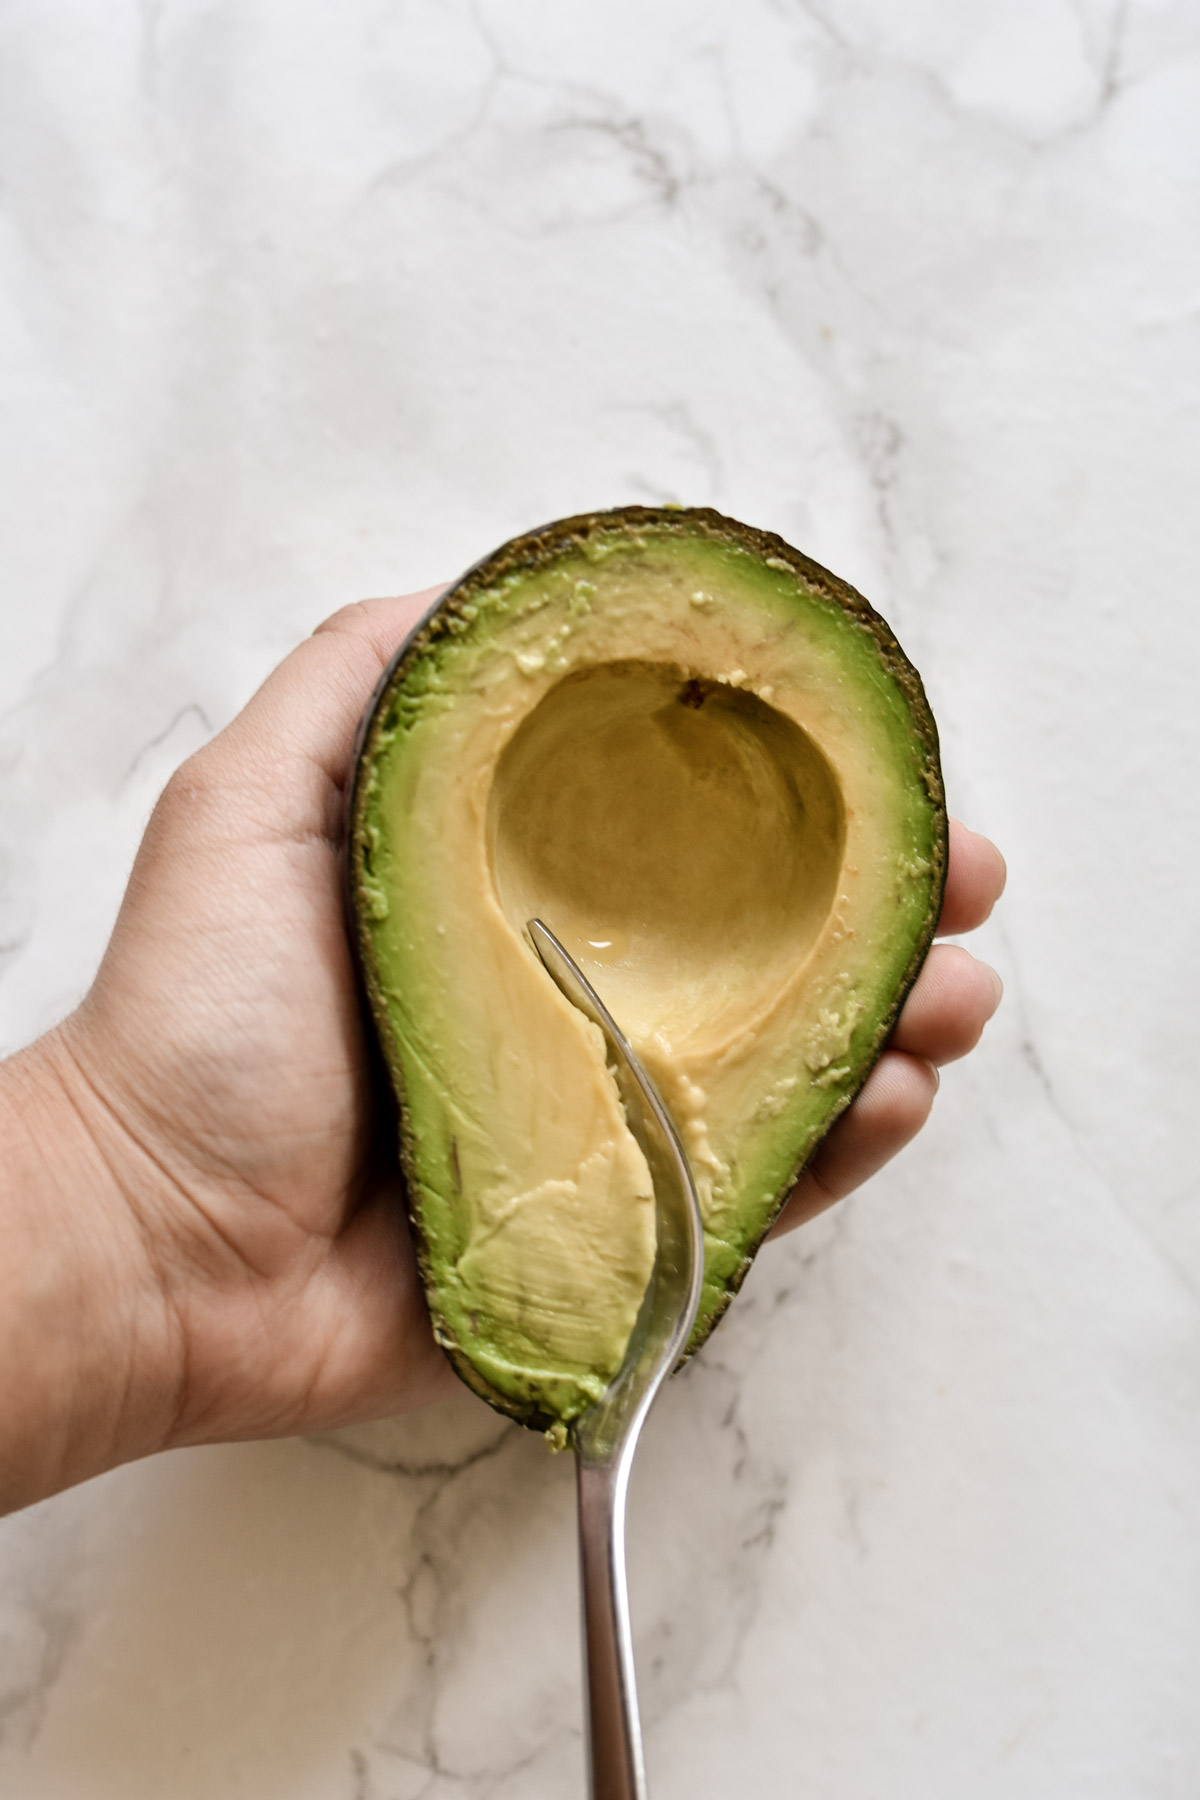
{"points": [[304, 302]]}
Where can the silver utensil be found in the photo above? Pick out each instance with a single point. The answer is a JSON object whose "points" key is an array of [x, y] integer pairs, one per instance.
{"points": [[605, 1437]]}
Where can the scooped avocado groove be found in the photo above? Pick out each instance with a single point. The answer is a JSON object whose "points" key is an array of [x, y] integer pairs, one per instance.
{"points": [[706, 763]]}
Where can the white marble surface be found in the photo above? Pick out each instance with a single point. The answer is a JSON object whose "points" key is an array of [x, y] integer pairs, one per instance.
{"points": [[300, 302]]}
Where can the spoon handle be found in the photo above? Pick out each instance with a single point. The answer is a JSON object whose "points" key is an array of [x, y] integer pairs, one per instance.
{"points": [[614, 1733], [606, 1435]]}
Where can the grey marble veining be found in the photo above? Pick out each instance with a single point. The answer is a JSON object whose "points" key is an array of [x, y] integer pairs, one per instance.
{"points": [[299, 303]]}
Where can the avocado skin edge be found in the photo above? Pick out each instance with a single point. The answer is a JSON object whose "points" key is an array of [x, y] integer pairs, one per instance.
{"points": [[531, 549]]}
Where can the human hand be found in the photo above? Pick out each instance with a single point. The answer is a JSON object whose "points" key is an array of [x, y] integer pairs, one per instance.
{"points": [[227, 1241], [216, 1247]]}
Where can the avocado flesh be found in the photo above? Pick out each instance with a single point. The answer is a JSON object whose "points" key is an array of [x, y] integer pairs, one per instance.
{"points": [[707, 766]]}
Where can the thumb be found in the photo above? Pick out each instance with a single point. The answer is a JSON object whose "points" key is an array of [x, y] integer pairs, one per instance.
{"points": [[294, 738]]}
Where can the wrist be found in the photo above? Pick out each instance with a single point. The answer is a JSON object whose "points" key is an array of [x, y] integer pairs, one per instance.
{"points": [[87, 1352]]}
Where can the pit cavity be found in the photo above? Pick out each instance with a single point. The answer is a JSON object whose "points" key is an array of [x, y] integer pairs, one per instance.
{"points": [[683, 839]]}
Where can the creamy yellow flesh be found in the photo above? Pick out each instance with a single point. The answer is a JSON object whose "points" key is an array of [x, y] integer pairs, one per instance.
{"points": [[707, 787]]}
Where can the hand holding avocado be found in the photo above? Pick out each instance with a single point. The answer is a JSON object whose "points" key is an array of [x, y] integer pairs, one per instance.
{"points": [[202, 1235]]}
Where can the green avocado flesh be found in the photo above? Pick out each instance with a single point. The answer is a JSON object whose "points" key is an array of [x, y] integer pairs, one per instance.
{"points": [[706, 764]]}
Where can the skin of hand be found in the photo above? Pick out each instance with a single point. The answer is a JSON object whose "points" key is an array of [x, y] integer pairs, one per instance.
{"points": [[202, 1231]]}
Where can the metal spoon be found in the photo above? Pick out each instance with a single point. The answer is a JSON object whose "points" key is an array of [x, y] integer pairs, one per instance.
{"points": [[605, 1437]]}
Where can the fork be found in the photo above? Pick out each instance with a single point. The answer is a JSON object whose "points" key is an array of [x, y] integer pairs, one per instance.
{"points": [[605, 1437]]}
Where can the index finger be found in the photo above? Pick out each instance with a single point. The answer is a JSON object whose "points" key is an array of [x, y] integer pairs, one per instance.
{"points": [[974, 880]]}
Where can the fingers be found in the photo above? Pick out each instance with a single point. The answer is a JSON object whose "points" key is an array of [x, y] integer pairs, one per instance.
{"points": [[888, 1113], [951, 1002], [974, 881]]}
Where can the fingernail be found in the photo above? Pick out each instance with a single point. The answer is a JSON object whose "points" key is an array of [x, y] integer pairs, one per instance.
{"points": [[997, 983]]}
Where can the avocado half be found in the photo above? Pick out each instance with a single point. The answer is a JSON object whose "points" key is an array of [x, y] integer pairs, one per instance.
{"points": [[707, 765]]}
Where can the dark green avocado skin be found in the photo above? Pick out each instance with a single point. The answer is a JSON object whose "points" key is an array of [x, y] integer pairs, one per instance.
{"points": [[533, 548]]}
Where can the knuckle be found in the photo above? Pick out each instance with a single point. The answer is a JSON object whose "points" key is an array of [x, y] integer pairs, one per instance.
{"points": [[352, 614], [190, 791]]}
